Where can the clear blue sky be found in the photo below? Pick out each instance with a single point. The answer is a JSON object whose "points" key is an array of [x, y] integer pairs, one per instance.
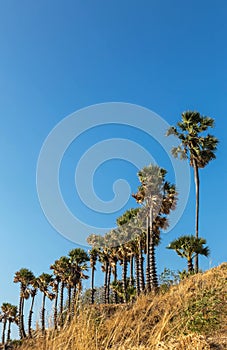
{"points": [[57, 57]]}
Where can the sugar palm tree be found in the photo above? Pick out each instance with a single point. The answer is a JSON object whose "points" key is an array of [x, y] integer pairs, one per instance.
{"points": [[44, 283], [187, 246], [78, 264], [197, 147], [24, 277], [32, 292], [93, 259], [9, 313], [158, 198], [12, 318]]}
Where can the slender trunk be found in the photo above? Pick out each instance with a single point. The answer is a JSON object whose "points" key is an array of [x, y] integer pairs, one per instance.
{"points": [[148, 259], [153, 270], [106, 282], [115, 281], [19, 316], [23, 334], [197, 187], [131, 280], [124, 277], [137, 274], [190, 265], [92, 283], [43, 314], [9, 330], [69, 302], [56, 308], [141, 270], [30, 317], [73, 303], [4, 330], [61, 302]]}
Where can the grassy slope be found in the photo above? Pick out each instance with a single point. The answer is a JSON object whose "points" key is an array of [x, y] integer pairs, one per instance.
{"points": [[189, 316]]}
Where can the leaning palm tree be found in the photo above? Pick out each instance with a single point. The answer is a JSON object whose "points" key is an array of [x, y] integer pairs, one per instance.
{"points": [[44, 283], [24, 277], [197, 147], [187, 247]]}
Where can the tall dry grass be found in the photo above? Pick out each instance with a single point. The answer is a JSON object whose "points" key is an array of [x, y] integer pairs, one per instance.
{"points": [[189, 316]]}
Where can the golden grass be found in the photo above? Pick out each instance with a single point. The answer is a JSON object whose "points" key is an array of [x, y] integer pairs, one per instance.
{"points": [[189, 316]]}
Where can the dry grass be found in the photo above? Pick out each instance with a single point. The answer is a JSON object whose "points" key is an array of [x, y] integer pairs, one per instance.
{"points": [[190, 316]]}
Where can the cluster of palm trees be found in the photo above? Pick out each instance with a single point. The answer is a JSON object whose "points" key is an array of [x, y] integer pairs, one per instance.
{"points": [[128, 249], [68, 271]]}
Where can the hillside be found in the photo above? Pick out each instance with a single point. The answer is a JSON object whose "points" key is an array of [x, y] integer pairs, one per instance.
{"points": [[191, 315]]}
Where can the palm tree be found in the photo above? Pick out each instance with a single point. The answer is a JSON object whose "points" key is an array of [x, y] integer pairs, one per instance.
{"points": [[57, 269], [197, 147], [33, 292], [188, 246], [24, 277], [158, 198], [61, 271], [12, 318], [77, 265], [9, 313], [93, 259], [44, 283]]}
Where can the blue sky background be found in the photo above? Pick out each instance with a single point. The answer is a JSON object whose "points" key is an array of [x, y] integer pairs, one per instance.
{"points": [[57, 57]]}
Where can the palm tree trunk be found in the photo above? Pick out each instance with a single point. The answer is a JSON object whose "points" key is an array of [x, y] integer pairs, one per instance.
{"points": [[124, 277], [92, 283], [4, 330], [115, 281], [23, 334], [69, 302], [73, 303], [153, 270], [141, 270], [9, 330], [43, 314], [131, 280], [61, 302], [197, 188], [148, 258], [30, 317], [190, 265], [56, 308], [108, 283], [137, 274]]}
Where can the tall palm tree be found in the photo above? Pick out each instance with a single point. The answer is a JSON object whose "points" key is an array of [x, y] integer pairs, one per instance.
{"points": [[158, 198], [44, 283], [187, 246], [24, 277], [32, 292], [197, 147], [77, 264], [93, 259], [57, 270]]}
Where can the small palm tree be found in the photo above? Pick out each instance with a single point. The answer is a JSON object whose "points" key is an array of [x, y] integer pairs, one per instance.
{"points": [[9, 313], [93, 259], [197, 147], [12, 318], [44, 283], [24, 277], [187, 247]]}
